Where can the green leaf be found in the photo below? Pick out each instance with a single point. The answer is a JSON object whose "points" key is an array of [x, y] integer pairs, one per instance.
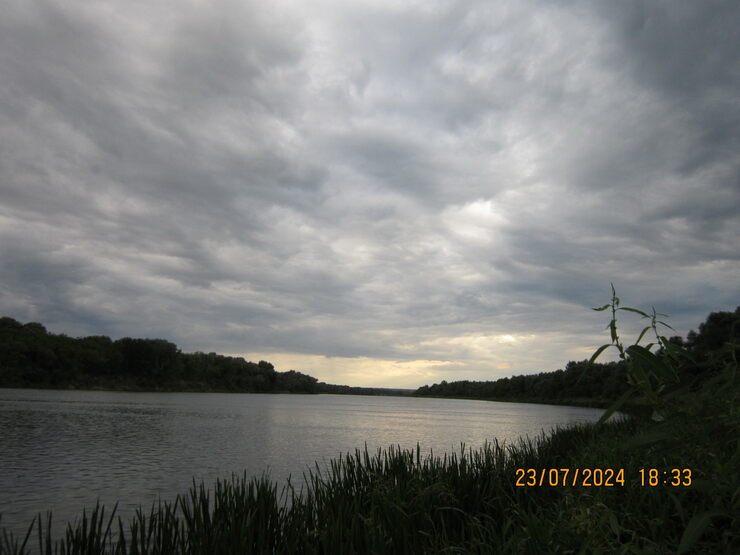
{"points": [[638, 368], [650, 362], [695, 528], [598, 352], [674, 350], [601, 308], [636, 311], [642, 353], [614, 407], [642, 334], [667, 325], [613, 329]]}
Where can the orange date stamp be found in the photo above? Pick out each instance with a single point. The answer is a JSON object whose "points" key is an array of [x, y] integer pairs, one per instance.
{"points": [[585, 477], [601, 477]]}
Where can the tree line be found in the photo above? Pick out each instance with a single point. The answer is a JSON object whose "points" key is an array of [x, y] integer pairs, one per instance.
{"points": [[707, 350], [354, 390], [30, 356], [579, 381]]}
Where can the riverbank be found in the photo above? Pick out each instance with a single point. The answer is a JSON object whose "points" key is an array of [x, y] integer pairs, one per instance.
{"points": [[587, 495]]}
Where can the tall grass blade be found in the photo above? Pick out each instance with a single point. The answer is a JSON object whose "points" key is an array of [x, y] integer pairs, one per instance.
{"points": [[695, 529]]}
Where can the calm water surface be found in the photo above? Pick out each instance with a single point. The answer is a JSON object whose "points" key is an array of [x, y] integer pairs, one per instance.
{"points": [[63, 450]]}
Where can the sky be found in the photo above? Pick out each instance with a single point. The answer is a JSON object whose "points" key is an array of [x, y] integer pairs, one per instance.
{"points": [[377, 193]]}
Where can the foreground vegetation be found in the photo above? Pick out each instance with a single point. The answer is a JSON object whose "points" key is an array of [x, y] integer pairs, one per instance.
{"points": [[591, 383], [398, 501]]}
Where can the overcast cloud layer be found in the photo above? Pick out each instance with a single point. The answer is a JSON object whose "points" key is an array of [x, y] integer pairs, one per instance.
{"points": [[374, 193]]}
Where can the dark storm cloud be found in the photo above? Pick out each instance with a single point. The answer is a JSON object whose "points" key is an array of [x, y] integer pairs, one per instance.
{"points": [[686, 52], [684, 48], [452, 182]]}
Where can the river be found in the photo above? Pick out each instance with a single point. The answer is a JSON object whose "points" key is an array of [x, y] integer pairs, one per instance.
{"points": [[63, 450]]}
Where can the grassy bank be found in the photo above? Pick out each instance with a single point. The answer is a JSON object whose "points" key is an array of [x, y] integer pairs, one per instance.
{"points": [[397, 501]]}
